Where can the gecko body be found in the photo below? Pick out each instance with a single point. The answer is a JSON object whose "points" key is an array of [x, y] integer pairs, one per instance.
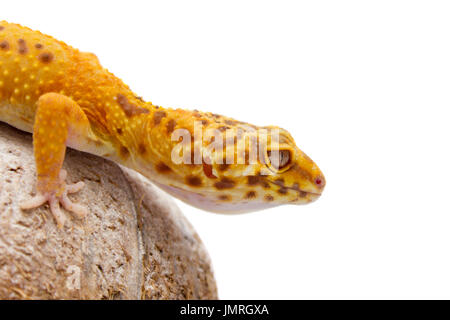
{"points": [[66, 98]]}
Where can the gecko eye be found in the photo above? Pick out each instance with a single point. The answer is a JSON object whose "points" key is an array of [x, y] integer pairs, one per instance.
{"points": [[279, 160]]}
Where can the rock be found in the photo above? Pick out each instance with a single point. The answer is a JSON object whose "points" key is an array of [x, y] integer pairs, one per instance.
{"points": [[134, 243]]}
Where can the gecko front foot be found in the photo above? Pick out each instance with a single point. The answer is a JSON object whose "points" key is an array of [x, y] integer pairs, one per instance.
{"points": [[54, 201]]}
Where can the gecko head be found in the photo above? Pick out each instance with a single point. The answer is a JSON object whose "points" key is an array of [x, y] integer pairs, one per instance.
{"points": [[300, 175], [272, 171], [283, 174]]}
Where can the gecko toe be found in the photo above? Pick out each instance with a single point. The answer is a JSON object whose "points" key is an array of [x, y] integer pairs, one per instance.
{"points": [[73, 188], [78, 210], [37, 201], [56, 212]]}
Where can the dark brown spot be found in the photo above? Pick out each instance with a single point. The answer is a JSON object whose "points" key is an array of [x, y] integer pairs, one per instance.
{"points": [[46, 57], [231, 122], [215, 115], [23, 49], [142, 149], [253, 180], [139, 98], [225, 183], [223, 128], [171, 125], [157, 117], [119, 131], [4, 45], [205, 122], [280, 182], [224, 197], [196, 114], [282, 190], [268, 197], [2, 28], [163, 168], [223, 166], [129, 108], [208, 170], [194, 181], [303, 194], [124, 152], [250, 195], [38, 46]]}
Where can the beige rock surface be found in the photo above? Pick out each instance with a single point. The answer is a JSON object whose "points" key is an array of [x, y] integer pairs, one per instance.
{"points": [[134, 244]]}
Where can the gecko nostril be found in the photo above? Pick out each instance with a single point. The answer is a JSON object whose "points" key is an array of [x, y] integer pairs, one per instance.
{"points": [[320, 182]]}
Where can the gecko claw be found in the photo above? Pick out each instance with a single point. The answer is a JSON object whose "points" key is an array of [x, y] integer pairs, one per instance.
{"points": [[54, 201]]}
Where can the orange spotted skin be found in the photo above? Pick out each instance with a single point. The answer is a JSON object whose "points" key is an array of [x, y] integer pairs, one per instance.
{"points": [[65, 97]]}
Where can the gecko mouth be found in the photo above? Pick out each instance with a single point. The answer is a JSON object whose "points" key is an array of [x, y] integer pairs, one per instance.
{"points": [[302, 193]]}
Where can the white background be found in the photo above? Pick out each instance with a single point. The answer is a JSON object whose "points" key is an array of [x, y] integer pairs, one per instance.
{"points": [[363, 86]]}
